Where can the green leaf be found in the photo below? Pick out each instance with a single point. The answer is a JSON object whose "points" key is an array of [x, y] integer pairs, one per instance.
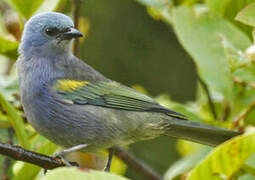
{"points": [[25, 7], [247, 15], [186, 163], [9, 86], [76, 174], [236, 58], [217, 6], [200, 36], [186, 148], [30, 171], [221, 7], [9, 48], [225, 159], [188, 110], [247, 177], [251, 161], [16, 121], [5, 123], [154, 3], [49, 5], [158, 9]]}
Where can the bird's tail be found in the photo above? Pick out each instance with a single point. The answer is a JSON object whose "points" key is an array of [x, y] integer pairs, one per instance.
{"points": [[199, 133]]}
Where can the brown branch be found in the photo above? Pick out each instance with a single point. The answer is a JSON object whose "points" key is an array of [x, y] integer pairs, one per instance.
{"points": [[244, 83], [243, 115], [211, 104], [226, 111], [139, 166], [77, 9], [47, 162], [18, 153]]}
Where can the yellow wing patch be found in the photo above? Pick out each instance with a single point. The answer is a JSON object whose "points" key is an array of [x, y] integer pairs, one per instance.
{"points": [[70, 85]]}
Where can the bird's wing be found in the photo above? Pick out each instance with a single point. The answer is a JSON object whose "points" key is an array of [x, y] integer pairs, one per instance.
{"points": [[109, 95]]}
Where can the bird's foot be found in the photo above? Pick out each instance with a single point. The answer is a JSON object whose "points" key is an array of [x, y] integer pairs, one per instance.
{"points": [[109, 161], [62, 154], [63, 159], [69, 150]]}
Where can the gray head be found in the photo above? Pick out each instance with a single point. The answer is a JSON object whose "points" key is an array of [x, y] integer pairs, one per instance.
{"points": [[48, 32]]}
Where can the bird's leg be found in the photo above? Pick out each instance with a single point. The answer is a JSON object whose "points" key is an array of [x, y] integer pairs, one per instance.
{"points": [[109, 161], [61, 154]]}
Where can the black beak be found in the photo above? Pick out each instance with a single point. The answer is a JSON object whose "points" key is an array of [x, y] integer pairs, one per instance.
{"points": [[70, 34]]}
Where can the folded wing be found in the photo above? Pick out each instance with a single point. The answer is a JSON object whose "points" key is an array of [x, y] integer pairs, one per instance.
{"points": [[109, 95]]}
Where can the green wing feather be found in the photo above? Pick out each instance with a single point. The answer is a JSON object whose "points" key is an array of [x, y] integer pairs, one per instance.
{"points": [[110, 95]]}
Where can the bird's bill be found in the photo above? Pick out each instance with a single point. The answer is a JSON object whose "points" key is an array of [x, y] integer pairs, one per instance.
{"points": [[72, 33]]}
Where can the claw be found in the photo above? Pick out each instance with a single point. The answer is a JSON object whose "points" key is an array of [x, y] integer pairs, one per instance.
{"points": [[109, 161], [62, 154], [69, 150]]}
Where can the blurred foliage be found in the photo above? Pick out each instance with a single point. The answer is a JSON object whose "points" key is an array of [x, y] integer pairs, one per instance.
{"points": [[8, 48], [219, 40]]}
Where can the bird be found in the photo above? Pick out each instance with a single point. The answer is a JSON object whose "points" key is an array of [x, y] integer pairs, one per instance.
{"points": [[78, 108]]}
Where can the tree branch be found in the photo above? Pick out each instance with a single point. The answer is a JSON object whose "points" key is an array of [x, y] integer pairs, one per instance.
{"points": [[139, 166], [211, 105], [18, 153], [77, 9], [244, 83], [243, 115], [47, 162]]}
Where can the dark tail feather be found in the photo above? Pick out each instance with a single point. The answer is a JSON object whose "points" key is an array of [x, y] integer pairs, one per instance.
{"points": [[199, 133]]}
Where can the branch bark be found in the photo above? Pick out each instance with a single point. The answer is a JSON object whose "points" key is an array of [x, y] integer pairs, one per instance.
{"points": [[77, 9], [136, 164], [211, 104], [47, 162], [18, 153], [243, 115]]}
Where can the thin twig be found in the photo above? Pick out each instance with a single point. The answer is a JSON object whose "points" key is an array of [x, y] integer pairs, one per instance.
{"points": [[211, 104], [226, 111], [243, 115], [244, 83], [248, 169], [139, 166], [77, 9]]}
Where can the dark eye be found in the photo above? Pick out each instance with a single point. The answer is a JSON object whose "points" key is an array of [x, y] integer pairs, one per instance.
{"points": [[51, 31], [66, 29]]}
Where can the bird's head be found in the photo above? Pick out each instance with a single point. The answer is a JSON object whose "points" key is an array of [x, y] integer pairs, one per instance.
{"points": [[49, 32]]}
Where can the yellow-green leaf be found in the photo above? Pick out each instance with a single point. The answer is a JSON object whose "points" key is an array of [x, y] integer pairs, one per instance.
{"points": [[247, 15], [200, 36], [9, 48], [16, 121], [25, 7], [225, 159], [217, 6], [30, 171], [186, 163], [48, 5], [75, 174]]}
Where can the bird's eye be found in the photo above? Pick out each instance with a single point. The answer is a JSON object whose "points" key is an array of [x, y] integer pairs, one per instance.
{"points": [[66, 29], [51, 31]]}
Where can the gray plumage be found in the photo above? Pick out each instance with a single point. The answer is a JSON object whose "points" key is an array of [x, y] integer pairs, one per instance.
{"points": [[93, 114]]}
